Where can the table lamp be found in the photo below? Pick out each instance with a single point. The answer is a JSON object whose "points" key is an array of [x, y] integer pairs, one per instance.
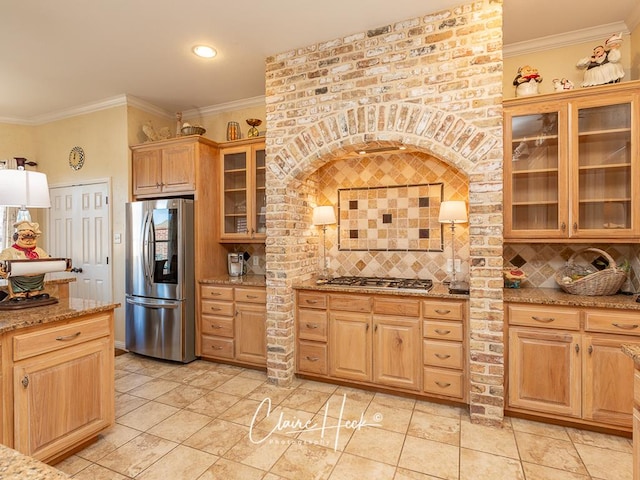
{"points": [[22, 188], [322, 216], [452, 212]]}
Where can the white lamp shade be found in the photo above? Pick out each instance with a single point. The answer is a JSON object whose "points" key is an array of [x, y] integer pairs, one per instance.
{"points": [[453, 211], [324, 215], [22, 188]]}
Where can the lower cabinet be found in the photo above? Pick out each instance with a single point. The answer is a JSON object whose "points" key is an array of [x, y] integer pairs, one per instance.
{"points": [[233, 324], [567, 363]]}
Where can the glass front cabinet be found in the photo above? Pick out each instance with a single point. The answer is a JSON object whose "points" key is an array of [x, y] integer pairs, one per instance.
{"points": [[243, 192], [571, 165]]}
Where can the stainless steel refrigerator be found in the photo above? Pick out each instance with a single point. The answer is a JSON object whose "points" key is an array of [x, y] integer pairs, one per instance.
{"points": [[160, 292]]}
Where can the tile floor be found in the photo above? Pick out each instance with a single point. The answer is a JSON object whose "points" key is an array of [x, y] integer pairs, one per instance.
{"points": [[210, 421]]}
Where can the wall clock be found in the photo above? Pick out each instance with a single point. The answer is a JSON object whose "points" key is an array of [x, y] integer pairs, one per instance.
{"points": [[76, 158]]}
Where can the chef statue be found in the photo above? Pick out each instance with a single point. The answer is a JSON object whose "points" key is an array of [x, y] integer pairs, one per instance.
{"points": [[22, 288], [604, 65], [527, 80]]}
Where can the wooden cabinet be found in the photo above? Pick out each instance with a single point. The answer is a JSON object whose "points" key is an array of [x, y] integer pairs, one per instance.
{"points": [[571, 165], [312, 333], [567, 363], [243, 200], [233, 324], [62, 385], [397, 351], [350, 345]]}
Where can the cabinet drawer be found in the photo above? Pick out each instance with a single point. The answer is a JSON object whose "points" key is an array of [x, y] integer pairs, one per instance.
{"points": [[312, 300], [442, 354], [54, 338], [443, 382], [444, 310], [350, 303], [612, 321], [217, 347], [395, 306], [312, 358], [251, 295], [544, 316], [219, 326], [442, 330], [215, 292], [217, 308], [312, 324]]}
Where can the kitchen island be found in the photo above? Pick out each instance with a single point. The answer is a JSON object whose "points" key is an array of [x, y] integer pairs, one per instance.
{"points": [[15, 466], [56, 376]]}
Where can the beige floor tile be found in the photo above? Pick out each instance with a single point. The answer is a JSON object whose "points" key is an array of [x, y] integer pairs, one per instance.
{"points": [[351, 467], [326, 432], [180, 426], [285, 421], [273, 392], [272, 476], [438, 409], [306, 461], [213, 403], [393, 401], [388, 417], [182, 463], [183, 396], [210, 379], [475, 465], [228, 470], [135, 456], [146, 416], [108, 441], [308, 400], [538, 428], [217, 437], [432, 458], [317, 386], [606, 464], [154, 369], [126, 403], [376, 444], [96, 472], [549, 452], [595, 439], [495, 440], [245, 412], [259, 455], [435, 427], [348, 406], [71, 465], [404, 474], [539, 472], [183, 375], [239, 386], [255, 374], [130, 381], [153, 388]]}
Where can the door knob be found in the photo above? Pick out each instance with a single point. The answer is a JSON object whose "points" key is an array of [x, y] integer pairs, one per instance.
{"points": [[76, 270]]}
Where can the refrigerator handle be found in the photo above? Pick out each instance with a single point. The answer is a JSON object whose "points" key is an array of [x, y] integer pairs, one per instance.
{"points": [[147, 252], [148, 303]]}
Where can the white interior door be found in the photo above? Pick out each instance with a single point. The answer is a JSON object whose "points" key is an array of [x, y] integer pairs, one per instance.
{"points": [[79, 229]]}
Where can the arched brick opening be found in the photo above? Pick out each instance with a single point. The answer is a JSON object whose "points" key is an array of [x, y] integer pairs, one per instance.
{"points": [[453, 139]]}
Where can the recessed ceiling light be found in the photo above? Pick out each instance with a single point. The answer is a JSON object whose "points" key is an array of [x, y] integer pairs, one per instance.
{"points": [[204, 51]]}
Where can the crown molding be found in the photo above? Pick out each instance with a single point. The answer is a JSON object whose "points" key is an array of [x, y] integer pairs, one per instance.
{"points": [[16, 121], [592, 34], [224, 107], [147, 107], [84, 109]]}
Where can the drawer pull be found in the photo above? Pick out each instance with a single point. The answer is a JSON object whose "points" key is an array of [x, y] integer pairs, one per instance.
{"points": [[215, 347], [442, 312], [215, 309], [312, 326], [442, 356], [312, 302], [543, 319], [68, 337], [215, 294], [252, 296], [625, 327], [312, 359], [443, 384], [442, 332], [217, 327]]}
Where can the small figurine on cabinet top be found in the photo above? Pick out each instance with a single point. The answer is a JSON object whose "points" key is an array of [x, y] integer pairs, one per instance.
{"points": [[603, 66], [561, 85], [527, 80]]}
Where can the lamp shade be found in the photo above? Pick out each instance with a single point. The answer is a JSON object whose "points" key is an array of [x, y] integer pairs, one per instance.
{"points": [[453, 211], [22, 188], [324, 215]]}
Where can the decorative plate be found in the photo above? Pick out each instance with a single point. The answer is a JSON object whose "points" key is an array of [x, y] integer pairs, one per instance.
{"points": [[76, 158]]}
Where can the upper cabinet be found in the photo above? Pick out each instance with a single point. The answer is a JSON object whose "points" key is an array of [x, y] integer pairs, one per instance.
{"points": [[570, 165], [243, 201]]}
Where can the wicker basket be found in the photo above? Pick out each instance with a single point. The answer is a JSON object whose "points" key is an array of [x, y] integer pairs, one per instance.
{"points": [[603, 282], [192, 130]]}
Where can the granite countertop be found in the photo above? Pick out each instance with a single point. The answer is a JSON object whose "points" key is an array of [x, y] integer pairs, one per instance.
{"points": [[16, 466], [634, 352], [439, 290], [65, 309], [553, 296], [244, 281]]}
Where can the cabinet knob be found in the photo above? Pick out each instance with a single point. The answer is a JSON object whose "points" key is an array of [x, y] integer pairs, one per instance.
{"points": [[575, 226], [563, 226], [25, 381], [577, 348], [590, 349]]}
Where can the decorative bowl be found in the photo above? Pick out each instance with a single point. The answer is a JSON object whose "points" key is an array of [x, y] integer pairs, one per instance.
{"points": [[191, 130]]}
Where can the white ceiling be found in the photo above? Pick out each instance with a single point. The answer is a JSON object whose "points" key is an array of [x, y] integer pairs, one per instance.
{"points": [[63, 54]]}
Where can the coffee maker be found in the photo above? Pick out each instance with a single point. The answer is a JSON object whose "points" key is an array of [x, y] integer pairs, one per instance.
{"points": [[236, 264]]}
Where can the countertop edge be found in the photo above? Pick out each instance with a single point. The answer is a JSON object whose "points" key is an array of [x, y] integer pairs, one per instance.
{"points": [[16, 466], [551, 296]]}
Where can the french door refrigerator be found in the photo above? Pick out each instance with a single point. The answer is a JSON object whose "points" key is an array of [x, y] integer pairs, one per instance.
{"points": [[160, 298]]}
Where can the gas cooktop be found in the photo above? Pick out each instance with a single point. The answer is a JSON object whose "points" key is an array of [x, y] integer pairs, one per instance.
{"points": [[382, 282]]}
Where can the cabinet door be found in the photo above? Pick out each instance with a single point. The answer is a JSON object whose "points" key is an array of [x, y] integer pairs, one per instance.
{"points": [[251, 334], [602, 152], [235, 188], [178, 169], [147, 172], [607, 389], [63, 398], [259, 201], [535, 171], [544, 371], [350, 345], [397, 358]]}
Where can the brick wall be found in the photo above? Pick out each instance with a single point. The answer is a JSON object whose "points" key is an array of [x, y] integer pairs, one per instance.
{"points": [[433, 83]]}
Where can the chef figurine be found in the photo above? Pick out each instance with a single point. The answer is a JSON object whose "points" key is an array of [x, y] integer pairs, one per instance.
{"points": [[527, 80], [25, 287], [604, 65]]}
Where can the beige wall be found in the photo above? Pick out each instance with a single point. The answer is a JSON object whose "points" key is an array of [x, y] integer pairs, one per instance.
{"points": [[216, 124], [635, 53], [17, 141]]}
